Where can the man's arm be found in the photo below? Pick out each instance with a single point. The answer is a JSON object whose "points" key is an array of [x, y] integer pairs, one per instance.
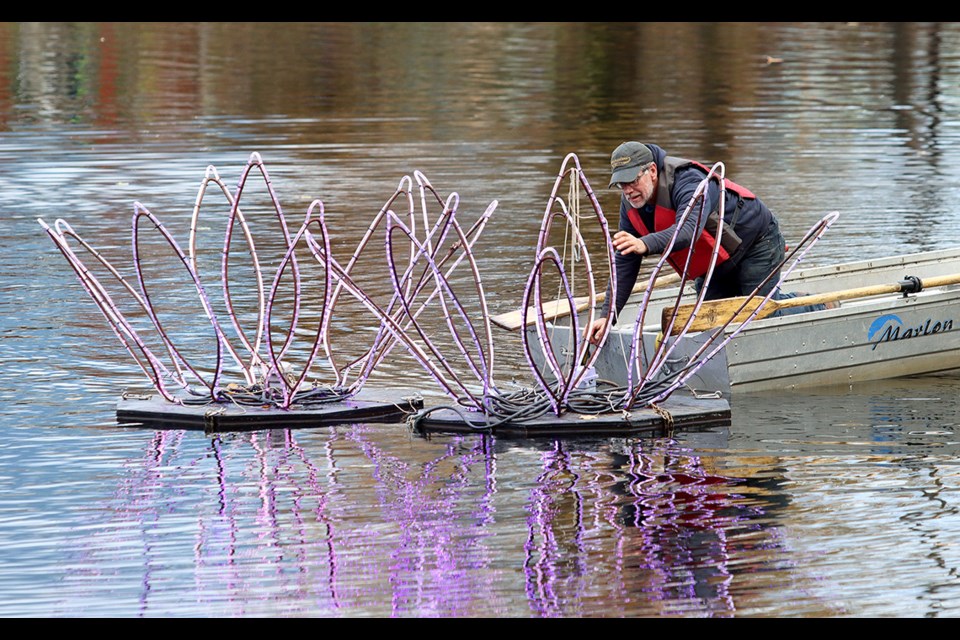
{"points": [[627, 266]]}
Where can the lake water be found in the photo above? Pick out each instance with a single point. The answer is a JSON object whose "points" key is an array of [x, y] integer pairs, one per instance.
{"points": [[825, 503]]}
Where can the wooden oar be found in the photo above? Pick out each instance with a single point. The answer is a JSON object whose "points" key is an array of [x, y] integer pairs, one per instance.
{"points": [[715, 313], [514, 320]]}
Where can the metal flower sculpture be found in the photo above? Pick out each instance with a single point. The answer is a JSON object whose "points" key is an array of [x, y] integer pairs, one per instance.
{"points": [[261, 341], [568, 376], [258, 359], [564, 381]]}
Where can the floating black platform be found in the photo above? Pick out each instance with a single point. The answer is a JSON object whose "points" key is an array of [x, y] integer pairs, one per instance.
{"points": [[370, 405], [679, 411]]}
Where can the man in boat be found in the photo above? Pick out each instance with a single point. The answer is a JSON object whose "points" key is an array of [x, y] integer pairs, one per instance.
{"points": [[655, 190]]}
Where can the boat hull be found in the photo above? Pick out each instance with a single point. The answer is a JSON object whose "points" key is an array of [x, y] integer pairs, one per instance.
{"points": [[863, 339]]}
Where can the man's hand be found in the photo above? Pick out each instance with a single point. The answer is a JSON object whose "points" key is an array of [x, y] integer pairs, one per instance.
{"points": [[626, 243], [595, 330]]}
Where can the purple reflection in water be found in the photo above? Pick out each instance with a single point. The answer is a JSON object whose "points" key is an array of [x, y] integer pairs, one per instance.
{"points": [[670, 518], [344, 522]]}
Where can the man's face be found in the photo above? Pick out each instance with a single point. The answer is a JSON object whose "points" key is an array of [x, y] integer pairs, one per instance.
{"points": [[640, 191]]}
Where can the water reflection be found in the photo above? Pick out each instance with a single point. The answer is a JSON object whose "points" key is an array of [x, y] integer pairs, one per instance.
{"points": [[659, 515], [885, 477], [340, 523]]}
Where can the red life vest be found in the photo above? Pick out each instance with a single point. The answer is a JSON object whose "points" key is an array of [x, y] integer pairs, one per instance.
{"points": [[665, 217]]}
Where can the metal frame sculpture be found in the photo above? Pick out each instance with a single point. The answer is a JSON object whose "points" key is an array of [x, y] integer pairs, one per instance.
{"points": [[260, 357], [435, 245], [565, 394], [561, 385]]}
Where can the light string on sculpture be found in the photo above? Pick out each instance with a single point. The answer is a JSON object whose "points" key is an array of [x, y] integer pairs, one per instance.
{"points": [[235, 217], [697, 202], [155, 370], [633, 391], [809, 239], [545, 254], [482, 371], [367, 361], [119, 323], [481, 368], [289, 388], [572, 249], [565, 381], [141, 213], [393, 307], [256, 162], [573, 205]]}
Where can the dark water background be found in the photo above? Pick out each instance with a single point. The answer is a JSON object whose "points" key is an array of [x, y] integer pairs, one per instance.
{"points": [[834, 502]]}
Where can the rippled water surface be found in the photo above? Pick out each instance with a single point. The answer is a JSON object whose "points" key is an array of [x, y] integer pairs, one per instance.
{"points": [[825, 503]]}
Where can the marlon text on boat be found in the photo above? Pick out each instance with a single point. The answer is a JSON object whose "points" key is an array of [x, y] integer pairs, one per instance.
{"points": [[890, 325]]}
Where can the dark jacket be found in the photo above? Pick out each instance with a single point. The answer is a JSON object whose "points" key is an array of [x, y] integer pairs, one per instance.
{"points": [[749, 223]]}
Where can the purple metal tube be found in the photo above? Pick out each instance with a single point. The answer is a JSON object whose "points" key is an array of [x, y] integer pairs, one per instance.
{"points": [[120, 326], [64, 230], [481, 372], [664, 350], [812, 236], [566, 382], [290, 389], [256, 161], [388, 321], [253, 348], [465, 244], [141, 212], [533, 286]]}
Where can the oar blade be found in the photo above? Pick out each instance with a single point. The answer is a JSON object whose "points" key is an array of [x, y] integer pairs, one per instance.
{"points": [[514, 320], [714, 313]]}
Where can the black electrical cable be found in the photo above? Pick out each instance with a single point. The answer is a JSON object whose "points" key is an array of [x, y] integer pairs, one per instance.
{"points": [[528, 404], [260, 396]]}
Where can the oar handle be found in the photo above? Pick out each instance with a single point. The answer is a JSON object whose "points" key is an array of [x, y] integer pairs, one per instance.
{"points": [[832, 296], [910, 284], [715, 313]]}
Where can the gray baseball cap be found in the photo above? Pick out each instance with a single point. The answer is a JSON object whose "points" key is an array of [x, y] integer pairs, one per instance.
{"points": [[627, 160]]}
